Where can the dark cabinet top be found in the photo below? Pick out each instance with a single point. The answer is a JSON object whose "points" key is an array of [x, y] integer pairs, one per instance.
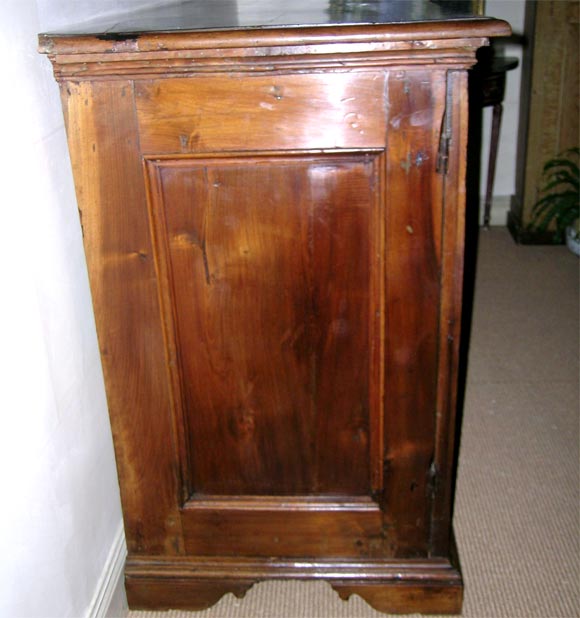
{"points": [[192, 15], [236, 36]]}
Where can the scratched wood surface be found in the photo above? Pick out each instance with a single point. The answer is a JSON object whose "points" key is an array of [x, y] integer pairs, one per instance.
{"points": [[270, 272], [275, 255], [343, 111], [413, 243], [119, 254]]}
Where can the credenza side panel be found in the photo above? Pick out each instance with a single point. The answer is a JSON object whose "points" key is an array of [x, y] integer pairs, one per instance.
{"points": [[273, 221], [394, 449], [104, 149]]}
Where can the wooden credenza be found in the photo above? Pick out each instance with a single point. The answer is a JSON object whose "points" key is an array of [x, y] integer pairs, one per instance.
{"points": [[273, 217]]}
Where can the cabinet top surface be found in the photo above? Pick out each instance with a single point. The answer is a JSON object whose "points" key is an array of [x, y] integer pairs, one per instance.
{"points": [[195, 15]]}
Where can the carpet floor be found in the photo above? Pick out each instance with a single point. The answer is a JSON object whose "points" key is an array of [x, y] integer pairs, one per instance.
{"points": [[517, 505]]}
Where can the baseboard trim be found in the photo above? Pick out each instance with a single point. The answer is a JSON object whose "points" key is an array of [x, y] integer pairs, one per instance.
{"points": [[111, 577], [523, 234], [500, 207]]}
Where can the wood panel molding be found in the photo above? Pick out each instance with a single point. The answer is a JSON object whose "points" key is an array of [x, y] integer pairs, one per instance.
{"points": [[275, 251], [407, 586], [143, 56], [209, 183]]}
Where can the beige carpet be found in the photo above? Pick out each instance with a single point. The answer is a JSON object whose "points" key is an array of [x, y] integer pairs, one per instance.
{"points": [[517, 510]]}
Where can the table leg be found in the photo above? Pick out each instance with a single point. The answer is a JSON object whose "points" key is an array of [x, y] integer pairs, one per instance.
{"points": [[495, 127]]}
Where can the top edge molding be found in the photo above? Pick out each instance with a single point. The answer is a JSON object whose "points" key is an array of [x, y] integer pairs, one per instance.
{"points": [[135, 42]]}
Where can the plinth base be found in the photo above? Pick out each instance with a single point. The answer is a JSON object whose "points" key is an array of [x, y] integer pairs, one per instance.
{"points": [[428, 586]]}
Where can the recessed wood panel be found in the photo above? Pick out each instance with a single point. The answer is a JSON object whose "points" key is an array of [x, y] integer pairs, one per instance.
{"points": [[269, 268]]}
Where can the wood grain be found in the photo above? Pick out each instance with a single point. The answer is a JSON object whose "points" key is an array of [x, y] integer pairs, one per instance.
{"points": [[259, 532], [448, 31], [413, 231], [453, 241], [103, 143], [275, 260], [175, 117], [254, 246], [400, 586], [300, 48]]}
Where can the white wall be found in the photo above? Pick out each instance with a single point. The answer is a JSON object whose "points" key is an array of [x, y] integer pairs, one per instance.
{"points": [[60, 510], [505, 176]]}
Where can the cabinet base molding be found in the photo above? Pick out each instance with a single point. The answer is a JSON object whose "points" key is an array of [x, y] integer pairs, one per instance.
{"points": [[428, 586]]}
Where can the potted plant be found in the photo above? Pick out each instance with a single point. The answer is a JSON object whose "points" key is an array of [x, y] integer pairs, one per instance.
{"points": [[560, 203]]}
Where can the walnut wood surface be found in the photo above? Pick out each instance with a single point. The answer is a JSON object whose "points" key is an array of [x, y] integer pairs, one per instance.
{"points": [[399, 586], [333, 47], [273, 224], [341, 112], [453, 241], [117, 239], [275, 261], [414, 210]]}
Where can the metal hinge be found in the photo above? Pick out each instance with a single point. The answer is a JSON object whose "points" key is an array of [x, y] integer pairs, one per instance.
{"points": [[446, 129]]}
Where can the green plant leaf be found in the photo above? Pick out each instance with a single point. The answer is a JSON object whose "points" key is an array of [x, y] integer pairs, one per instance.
{"points": [[554, 212], [566, 199], [559, 203], [561, 179], [566, 163]]}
